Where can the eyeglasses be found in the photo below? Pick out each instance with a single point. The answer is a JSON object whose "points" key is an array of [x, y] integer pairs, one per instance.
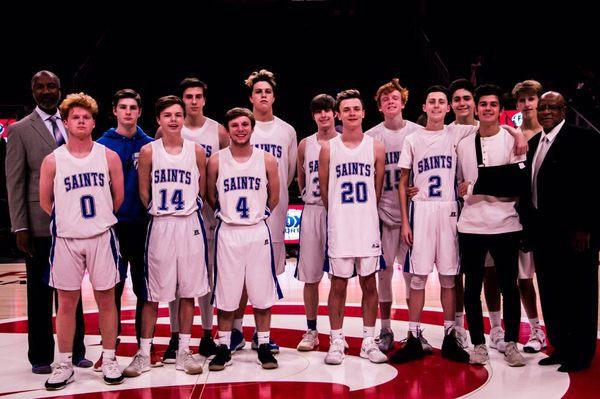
{"points": [[553, 108]]}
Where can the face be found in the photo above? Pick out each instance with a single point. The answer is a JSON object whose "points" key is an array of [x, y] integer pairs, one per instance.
{"points": [[171, 119], [463, 103], [46, 92], [527, 104], [80, 123], [436, 106], [127, 112], [351, 113], [325, 119], [194, 100], [262, 97], [551, 111], [488, 109], [390, 104], [240, 130]]}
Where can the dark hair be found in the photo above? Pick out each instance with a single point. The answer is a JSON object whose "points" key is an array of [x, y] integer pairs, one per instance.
{"points": [[167, 101], [126, 93], [436, 89], [192, 82], [488, 90], [321, 102], [236, 113], [460, 84], [345, 95]]}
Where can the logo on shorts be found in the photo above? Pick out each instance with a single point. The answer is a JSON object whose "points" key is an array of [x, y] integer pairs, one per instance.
{"points": [[196, 232], [267, 241], [453, 214], [375, 245]]}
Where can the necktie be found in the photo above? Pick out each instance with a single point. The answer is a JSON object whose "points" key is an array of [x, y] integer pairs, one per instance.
{"points": [[543, 150], [60, 140]]}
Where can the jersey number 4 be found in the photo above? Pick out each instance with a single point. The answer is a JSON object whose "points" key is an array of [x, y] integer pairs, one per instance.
{"points": [[354, 192], [176, 199], [242, 208]]}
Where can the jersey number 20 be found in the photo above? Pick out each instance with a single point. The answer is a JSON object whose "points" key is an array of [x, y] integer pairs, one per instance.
{"points": [[354, 192]]}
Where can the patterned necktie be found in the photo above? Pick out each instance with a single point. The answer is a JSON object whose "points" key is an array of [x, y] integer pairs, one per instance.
{"points": [[58, 137]]}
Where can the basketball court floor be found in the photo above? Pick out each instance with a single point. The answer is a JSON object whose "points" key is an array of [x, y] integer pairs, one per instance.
{"points": [[300, 374]]}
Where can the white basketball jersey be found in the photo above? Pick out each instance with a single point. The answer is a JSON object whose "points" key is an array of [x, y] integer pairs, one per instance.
{"points": [[83, 204], [242, 188], [208, 137], [431, 156], [352, 220], [393, 140], [312, 193], [278, 138], [175, 189]]}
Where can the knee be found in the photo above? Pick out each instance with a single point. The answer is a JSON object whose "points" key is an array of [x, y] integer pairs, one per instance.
{"points": [[447, 281], [418, 282]]}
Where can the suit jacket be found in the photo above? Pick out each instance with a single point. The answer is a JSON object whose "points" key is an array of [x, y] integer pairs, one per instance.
{"points": [[29, 141], [566, 184]]}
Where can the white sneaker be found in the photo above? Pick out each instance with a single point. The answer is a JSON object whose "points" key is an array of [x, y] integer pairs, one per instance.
{"points": [[512, 355], [62, 375], [140, 364], [370, 350], [112, 372], [461, 335], [385, 340], [187, 362], [479, 355], [335, 355], [536, 342], [497, 339], [310, 340]]}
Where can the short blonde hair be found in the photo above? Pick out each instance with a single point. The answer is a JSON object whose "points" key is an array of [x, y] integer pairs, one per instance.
{"points": [[527, 86], [389, 87], [78, 100], [262, 75]]}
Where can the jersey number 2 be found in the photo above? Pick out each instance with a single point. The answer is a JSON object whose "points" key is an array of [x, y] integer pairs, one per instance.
{"points": [[435, 182]]}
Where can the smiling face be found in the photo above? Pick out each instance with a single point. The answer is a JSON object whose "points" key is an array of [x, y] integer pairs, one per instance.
{"points": [[171, 119], [463, 104], [262, 97], [488, 109], [80, 123], [351, 113], [390, 104], [325, 119], [436, 106], [551, 110], [240, 130]]}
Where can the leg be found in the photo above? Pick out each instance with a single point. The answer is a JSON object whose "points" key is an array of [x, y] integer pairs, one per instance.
{"points": [[368, 286], [528, 297], [65, 321], [107, 310], [262, 317], [337, 302], [491, 289], [311, 300], [473, 259]]}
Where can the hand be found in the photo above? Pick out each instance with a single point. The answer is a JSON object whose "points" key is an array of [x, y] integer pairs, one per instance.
{"points": [[520, 140], [406, 235], [23, 243], [412, 191], [581, 241], [463, 188]]}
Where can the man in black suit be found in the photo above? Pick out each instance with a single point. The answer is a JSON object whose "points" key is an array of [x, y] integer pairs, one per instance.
{"points": [[29, 141], [565, 226]]}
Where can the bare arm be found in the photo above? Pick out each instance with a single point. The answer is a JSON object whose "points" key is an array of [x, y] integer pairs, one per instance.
{"points": [[201, 163], [403, 193], [520, 140], [324, 173], [272, 181], [300, 166], [379, 151], [144, 173], [47, 174], [212, 174], [115, 170], [292, 155], [223, 137]]}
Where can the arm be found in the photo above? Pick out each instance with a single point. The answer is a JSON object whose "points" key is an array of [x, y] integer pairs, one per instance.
{"points": [[292, 155], [201, 163], [300, 166], [223, 137], [212, 173], [144, 173], [520, 140], [324, 173], [379, 151], [47, 174], [403, 193], [272, 181], [115, 170]]}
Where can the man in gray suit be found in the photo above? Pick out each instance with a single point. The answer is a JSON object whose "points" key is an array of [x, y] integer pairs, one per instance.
{"points": [[29, 141]]}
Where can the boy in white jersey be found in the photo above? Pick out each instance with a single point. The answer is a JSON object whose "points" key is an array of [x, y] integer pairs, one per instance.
{"points": [[242, 186], [172, 182], [81, 185], [351, 172], [391, 99], [313, 230], [491, 224], [277, 137], [211, 136]]}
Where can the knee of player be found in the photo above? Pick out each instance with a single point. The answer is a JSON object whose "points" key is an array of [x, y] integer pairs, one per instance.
{"points": [[447, 281], [418, 282]]}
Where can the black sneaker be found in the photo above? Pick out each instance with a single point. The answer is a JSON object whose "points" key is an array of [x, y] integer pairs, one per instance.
{"points": [[412, 350], [170, 355], [207, 347], [451, 349], [266, 358], [221, 360]]}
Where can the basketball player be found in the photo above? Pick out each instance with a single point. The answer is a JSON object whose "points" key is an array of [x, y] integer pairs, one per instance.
{"points": [[351, 172], [277, 137], [391, 99], [81, 185], [243, 186], [313, 231], [212, 137], [172, 182]]}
